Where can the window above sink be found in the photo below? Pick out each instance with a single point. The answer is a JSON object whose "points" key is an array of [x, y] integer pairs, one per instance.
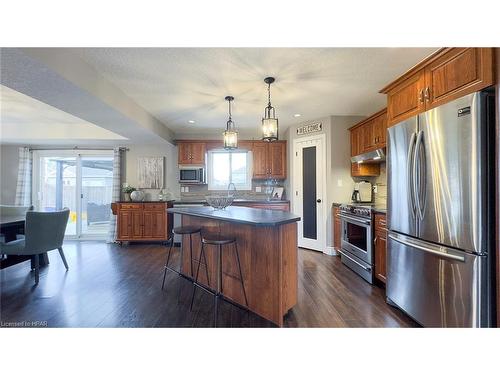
{"points": [[233, 166]]}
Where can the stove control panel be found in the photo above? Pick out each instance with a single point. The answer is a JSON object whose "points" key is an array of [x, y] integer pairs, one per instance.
{"points": [[364, 211]]}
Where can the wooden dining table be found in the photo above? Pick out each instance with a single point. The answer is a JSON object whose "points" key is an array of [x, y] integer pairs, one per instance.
{"points": [[10, 227]]}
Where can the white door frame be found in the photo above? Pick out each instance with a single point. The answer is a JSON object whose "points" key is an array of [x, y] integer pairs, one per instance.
{"points": [[296, 184]]}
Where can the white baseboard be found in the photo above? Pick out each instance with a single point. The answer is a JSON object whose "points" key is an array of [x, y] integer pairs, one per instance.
{"points": [[330, 250]]}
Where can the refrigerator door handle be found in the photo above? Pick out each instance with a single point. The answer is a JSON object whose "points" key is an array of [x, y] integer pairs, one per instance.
{"points": [[409, 175], [433, 249], [418, 186]]}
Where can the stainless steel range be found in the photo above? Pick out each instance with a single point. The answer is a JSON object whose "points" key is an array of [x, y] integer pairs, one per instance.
{"points": [[356, 241]]}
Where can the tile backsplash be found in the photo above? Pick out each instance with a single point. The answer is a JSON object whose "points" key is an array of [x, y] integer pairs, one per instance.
{"points": [[200, 191], [381, 183]]}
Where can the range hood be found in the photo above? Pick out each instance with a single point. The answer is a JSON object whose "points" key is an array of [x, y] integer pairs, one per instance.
{"points": [[375, 156]]}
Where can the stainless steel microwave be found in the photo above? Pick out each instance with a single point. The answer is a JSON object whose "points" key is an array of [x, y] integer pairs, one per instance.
{"points": [[192, 175]]}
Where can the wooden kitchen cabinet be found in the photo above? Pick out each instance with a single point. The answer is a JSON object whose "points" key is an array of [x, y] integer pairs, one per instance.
{"points": [[269, 159], [191, 152], [444, 76], [145, 221], [380, 248], [369, 134], [365, 170], [260, 157], [379, 127], [337, 228], [355, 137], [407, 98]]}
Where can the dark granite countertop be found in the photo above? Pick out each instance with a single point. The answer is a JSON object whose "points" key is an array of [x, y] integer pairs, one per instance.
{"points": [[243, 215], [238, 200], [131, 201]]}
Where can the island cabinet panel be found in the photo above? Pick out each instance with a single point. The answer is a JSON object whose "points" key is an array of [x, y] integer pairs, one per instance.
{"points": [[146, 221], [268, 256]]}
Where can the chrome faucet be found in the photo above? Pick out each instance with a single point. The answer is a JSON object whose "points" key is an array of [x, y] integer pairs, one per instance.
{"points": [[229, 187]]}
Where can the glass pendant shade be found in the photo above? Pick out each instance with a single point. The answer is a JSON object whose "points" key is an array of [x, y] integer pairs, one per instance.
{"points": [[269, 121], [270, 128], [230, 135]]}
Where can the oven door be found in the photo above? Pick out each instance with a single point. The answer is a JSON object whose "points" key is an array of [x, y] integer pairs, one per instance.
{"points": [[357, 237]]}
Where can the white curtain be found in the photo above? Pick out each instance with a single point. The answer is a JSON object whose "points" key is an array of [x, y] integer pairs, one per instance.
{"points": [[23, 187], [117, 156]]}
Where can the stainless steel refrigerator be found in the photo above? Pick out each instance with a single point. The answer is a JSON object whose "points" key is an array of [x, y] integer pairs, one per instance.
{"points": [[440, 172]]}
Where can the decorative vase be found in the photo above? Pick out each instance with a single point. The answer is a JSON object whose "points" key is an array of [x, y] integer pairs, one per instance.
{"points": [[126, 197], [137, 196]]}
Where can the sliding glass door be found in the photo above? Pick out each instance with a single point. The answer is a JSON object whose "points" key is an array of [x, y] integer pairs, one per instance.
{"points": [[80, 180]]}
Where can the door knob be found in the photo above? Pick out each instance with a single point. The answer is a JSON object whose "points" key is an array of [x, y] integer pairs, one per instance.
{"points": [[318, 200]]}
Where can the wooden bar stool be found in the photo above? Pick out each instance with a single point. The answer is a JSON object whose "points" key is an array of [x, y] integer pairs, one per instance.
{"points": [[184, 230], [219, 241]]}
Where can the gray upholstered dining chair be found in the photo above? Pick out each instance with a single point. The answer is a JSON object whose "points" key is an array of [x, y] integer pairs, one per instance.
{"points": [[44, 231]]}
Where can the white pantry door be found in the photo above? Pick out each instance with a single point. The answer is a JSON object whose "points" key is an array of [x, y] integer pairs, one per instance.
{"points": [[309, 191]]}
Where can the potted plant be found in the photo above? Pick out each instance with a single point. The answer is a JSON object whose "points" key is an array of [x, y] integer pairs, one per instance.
{"points": [[126, 192]]}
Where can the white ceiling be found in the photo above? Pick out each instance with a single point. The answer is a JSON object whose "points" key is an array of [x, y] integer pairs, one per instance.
{"points": [[24, 120], [180, 84]]}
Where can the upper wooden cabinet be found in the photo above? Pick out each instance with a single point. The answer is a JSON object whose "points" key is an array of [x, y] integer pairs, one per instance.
{"points": [[355, 137], [407, 98], [269, 159], [444, 76], [366, 136], [191, 152], [369, 134]]}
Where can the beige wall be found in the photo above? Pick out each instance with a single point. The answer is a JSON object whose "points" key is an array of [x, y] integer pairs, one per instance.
{"points": [[339, 183], [9, 162], [168, 151]]}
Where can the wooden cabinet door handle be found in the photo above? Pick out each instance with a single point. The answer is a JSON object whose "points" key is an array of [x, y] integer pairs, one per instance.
{"points": [[427, 95]]}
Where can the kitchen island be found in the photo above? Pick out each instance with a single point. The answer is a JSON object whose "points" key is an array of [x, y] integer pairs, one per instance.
{"points": [[267, 244]]}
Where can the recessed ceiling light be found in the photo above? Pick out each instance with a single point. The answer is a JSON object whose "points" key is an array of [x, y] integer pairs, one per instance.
{"points": [[297, 115], [191, 121]]}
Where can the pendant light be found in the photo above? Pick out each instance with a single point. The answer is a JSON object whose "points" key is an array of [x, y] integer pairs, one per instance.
{"points": [[230, 135], [269, 121]]}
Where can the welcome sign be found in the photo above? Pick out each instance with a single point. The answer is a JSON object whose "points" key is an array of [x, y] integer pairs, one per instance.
{"points": [[312, 128]]}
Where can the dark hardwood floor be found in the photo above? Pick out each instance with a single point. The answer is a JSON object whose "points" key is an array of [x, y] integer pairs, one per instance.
{"points": [[112, 286]]}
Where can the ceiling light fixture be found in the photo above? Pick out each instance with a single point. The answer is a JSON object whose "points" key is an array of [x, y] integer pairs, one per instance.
{"points": [[297, 115], [191, 121], [230, 135], [269, 121]]}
